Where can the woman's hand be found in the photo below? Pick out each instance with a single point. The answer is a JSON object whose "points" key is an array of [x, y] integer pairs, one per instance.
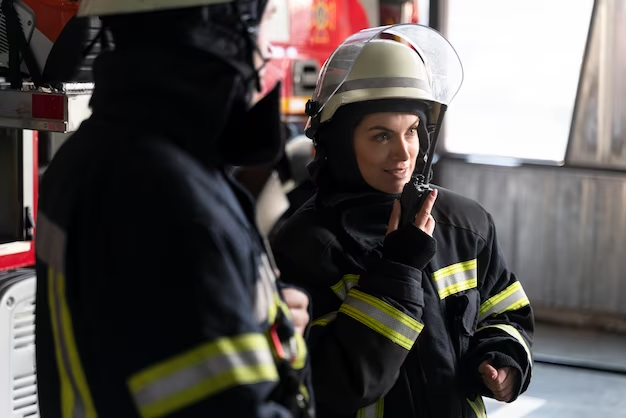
{"points": [[501, 382], [423, 220], [298, 304]]}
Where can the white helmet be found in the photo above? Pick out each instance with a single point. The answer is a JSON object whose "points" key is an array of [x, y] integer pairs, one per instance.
{"points": [[405, 61], [117, 7]]}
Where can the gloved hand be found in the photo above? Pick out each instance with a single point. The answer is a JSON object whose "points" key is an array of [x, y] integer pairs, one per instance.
{"points": [[414, 244], [423, 218]]}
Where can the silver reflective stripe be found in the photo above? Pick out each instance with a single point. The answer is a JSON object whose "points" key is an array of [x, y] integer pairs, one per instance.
{"points": [[510, 299], [513, 332], [373, 411], [456, 278], [382, 318], [369, 412], [343, 286], [50, 242], [265, 292], [207, 369], [376, 83]]}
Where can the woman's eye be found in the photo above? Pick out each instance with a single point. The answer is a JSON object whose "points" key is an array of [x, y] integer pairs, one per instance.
{"points": [[413, 131], [382, 137]]}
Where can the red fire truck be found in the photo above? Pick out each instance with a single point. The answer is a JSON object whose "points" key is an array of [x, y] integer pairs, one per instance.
{"points": [[305, 32]]}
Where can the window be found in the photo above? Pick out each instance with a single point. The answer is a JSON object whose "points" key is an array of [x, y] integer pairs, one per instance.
{"points": [[277, 26], [522, 62]]}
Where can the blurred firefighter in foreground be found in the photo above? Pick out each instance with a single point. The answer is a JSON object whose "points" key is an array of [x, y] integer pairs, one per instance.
{"points": [[155, 297], [413, 321]]}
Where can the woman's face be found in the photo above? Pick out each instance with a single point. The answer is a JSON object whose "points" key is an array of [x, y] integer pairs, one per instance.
{"points": [[386, 147]]}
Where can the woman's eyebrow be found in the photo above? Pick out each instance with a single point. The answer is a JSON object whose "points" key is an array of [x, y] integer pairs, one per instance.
{"points": [[384, 128], [380, 128]]}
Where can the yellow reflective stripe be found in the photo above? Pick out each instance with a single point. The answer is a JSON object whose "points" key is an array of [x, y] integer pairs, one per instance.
{"points": [[382, 318], [304, 391], [324, 320], [76, 400], [201, 372], [272, 309], [481, 403], [380, 408], [457, 287], [301, 352], [297, 349], [67, 394], [455, 268], [343, 286], [76, 368], [456, 278], [376, 410], [478, 407], [513, 332], [510, 299]]}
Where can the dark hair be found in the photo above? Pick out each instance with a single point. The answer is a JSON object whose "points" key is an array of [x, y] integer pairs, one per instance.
{"points": [[334, 167], [351, 115]]}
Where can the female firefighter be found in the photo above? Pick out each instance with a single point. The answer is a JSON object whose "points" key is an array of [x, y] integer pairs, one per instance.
{"points": [[420, 320]]}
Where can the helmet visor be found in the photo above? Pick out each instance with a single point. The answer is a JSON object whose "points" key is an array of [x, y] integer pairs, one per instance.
{"points": [[442, 63]]}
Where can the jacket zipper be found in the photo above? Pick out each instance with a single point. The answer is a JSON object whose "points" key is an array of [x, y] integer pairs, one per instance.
{"points": [[456, 363]]}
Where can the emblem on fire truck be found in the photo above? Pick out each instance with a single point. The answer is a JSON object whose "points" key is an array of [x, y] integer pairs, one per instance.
{"points": [[323, 21]]}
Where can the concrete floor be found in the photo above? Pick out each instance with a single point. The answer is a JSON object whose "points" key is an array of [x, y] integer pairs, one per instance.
{"points": [[565, 392]]}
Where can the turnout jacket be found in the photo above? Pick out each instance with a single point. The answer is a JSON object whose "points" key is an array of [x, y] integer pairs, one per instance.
{"points": [[395, 333], [155, 297]]}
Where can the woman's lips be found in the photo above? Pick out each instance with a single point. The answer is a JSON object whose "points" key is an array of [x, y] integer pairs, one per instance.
{"points": [[398, 173]]}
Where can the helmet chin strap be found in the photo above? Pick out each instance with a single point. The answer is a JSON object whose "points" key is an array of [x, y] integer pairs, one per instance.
{"points": [[250, 19], [425, 174]]}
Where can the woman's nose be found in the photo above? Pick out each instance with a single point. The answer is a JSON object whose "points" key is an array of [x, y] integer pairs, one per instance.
{"points": [[400, 151]]}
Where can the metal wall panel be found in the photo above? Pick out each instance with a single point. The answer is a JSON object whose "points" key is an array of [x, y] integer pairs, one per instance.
{"points": [[563, 230], [599, 129]]}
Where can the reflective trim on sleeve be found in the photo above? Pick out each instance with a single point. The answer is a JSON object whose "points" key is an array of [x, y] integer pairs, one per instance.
{"points": [[513, 332], [382, 318], [343, 286], [299, 360], [202, 372], [76, 399], [456, 278], [305, 392], [510, 299], [324, 320], [295, 347], [478, 406], [376, 410]]}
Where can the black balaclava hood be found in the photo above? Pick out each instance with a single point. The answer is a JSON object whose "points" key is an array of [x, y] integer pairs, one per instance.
{"points": [[335, 168], [189, 75], [357, 212]]}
